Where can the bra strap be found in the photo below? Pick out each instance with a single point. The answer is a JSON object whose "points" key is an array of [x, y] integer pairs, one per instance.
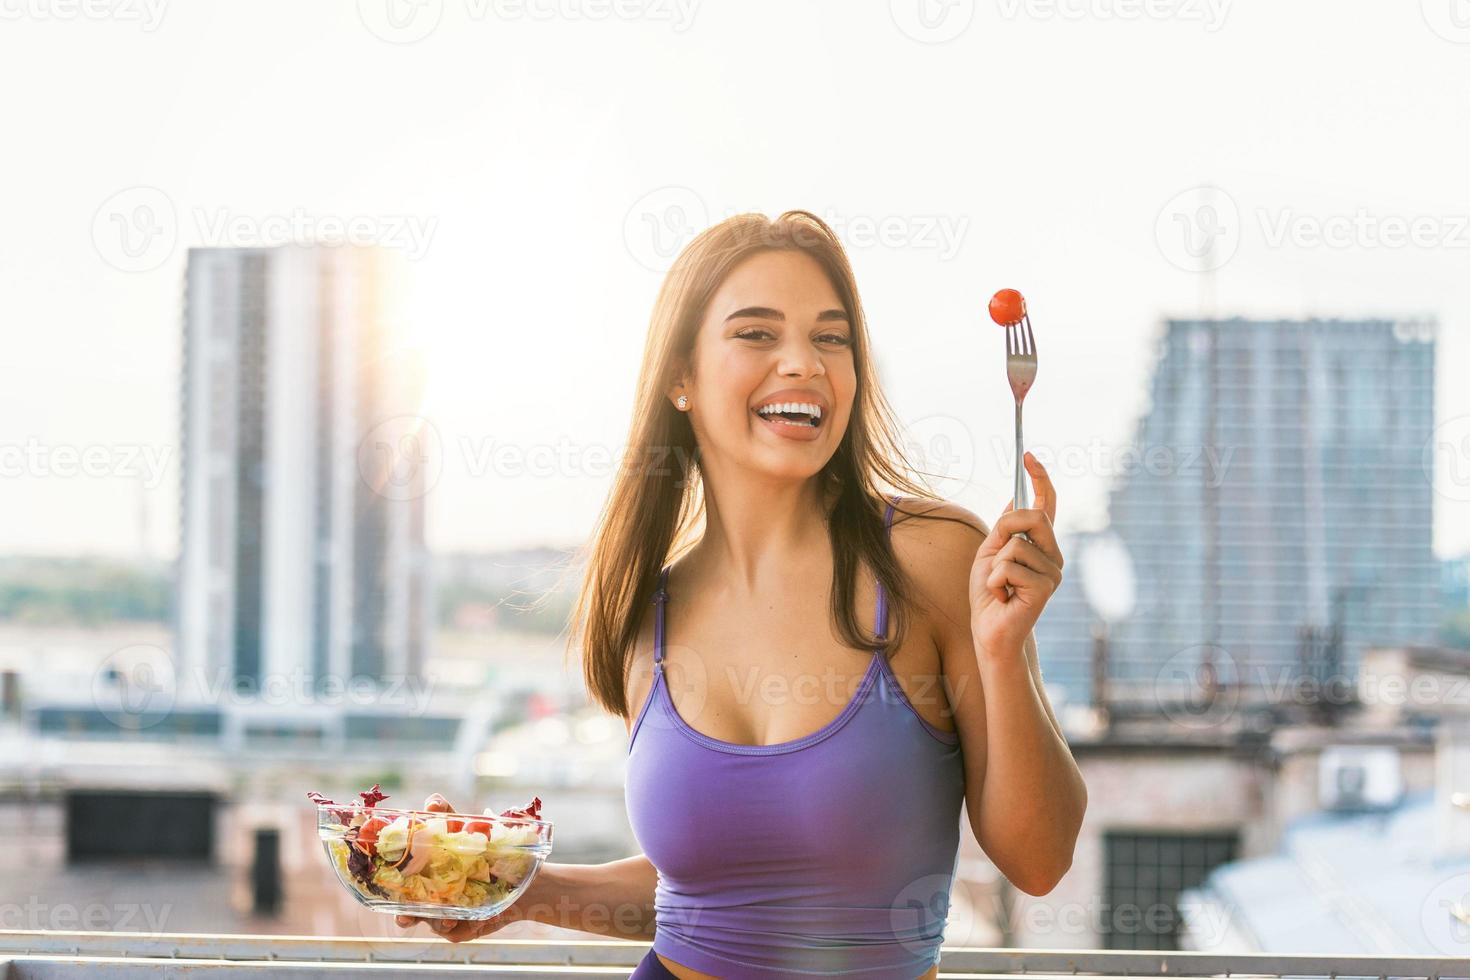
{"points": [[880, 624], [659, 598]]}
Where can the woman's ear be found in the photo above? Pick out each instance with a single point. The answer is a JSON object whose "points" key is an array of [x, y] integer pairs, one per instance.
{"points": [[679, 387]]}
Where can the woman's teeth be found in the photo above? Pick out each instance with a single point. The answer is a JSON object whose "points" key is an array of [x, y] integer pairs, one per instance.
{"points": [[806, 415]]}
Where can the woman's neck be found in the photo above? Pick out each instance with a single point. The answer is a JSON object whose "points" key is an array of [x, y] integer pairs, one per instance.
{"points": [[759, 536]]}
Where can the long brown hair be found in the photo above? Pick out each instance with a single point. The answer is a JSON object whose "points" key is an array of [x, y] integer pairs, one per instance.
{"points": [[656, 502]]}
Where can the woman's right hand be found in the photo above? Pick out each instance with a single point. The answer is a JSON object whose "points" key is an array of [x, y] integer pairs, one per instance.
{"points": [[459, 930]]}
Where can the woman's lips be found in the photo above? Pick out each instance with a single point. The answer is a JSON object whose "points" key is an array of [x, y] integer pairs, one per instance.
{"points": [[799, 431]]}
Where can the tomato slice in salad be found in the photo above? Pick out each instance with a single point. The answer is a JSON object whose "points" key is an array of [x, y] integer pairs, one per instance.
{"points": [[438, 804], [367, 835]]}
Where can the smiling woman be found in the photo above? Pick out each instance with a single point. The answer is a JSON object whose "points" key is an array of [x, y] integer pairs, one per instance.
{"points": [[757, 377], [791, 671]]}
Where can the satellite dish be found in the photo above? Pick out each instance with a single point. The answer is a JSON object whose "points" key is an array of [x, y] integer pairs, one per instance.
{"points": [[1107, 577]]}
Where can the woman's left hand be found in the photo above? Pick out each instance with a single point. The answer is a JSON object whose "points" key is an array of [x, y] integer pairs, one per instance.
{"points": [[1013, 578]]}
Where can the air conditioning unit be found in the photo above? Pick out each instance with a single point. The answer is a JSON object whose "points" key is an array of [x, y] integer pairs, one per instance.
{"points": [[1359, 777]]}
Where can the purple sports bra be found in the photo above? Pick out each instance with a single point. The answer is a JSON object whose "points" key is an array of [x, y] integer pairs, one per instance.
{"points": [[828, 855]]}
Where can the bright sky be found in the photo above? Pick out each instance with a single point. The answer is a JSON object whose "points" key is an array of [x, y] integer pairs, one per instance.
{"points": [[537, 158]]}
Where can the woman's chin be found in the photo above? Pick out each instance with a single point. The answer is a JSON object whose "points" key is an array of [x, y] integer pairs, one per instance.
{"points": [[792, 467]]}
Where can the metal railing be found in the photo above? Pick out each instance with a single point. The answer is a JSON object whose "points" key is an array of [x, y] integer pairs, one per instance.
{"points": [[43, 955]]}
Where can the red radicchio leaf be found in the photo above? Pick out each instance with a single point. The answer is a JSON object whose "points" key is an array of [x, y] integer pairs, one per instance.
{"points": [[341, 815], [529, 812], [360, 866], [373, 796]]}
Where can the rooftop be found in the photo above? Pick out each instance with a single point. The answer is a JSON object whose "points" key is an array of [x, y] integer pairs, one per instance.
{"points": [[47, 955]]}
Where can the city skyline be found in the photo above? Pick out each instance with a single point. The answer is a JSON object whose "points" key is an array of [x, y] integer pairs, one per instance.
{"points": [[545, 251]]}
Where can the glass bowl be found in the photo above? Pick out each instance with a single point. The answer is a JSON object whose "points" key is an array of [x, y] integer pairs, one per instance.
{"points": [[431, 864]]}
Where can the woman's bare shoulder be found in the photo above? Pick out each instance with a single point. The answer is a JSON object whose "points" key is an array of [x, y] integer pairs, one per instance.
{"points": [[930, 516], [935, 542]]}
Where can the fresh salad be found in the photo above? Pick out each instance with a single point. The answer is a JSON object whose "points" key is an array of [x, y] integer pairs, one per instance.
{"points": [[417, 857]]}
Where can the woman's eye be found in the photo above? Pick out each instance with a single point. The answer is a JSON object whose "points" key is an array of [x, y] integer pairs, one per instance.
{"points": [[831, 338]]}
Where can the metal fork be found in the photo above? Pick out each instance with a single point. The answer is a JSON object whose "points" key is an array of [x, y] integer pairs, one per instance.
{"points": [[1021, 372]]}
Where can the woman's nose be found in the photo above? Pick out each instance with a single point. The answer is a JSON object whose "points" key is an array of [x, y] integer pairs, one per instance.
{"points": [[803, 364]]}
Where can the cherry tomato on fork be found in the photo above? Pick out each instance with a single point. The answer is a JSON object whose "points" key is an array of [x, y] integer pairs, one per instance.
{"points": [[1007, 307]]}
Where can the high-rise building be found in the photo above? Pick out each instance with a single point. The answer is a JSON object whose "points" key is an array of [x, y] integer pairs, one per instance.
{"points": [[1274, 498], [302, 550]]}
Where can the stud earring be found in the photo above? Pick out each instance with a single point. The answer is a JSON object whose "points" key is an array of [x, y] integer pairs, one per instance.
{"points": [[683, 402]]}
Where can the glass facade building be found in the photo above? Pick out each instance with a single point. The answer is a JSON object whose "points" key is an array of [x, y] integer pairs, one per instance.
{"points": [[1275, 495]]}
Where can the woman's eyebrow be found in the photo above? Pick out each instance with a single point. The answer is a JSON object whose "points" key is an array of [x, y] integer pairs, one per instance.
{"points": [[767, 313]]}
